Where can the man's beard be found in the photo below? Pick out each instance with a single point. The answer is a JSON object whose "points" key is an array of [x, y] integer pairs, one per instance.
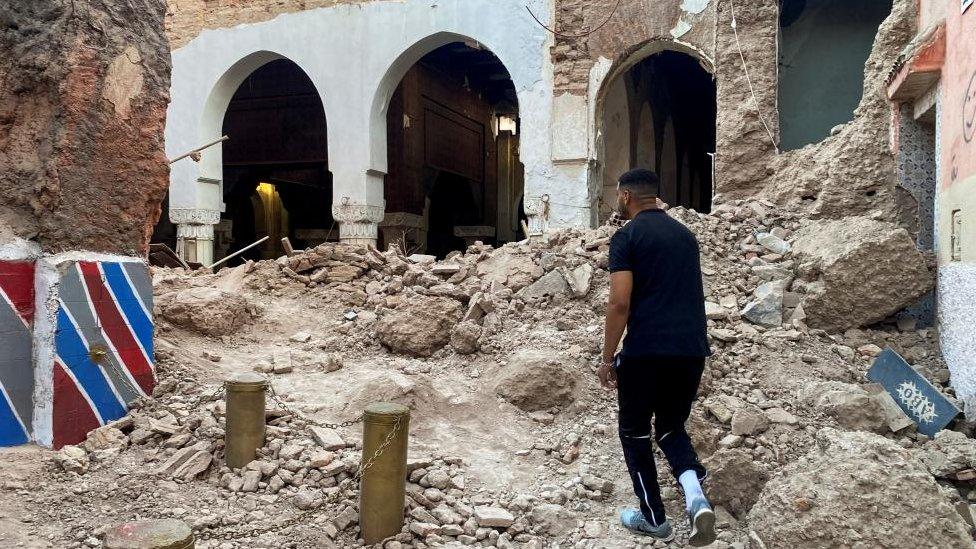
{"points": [[621, 210]]}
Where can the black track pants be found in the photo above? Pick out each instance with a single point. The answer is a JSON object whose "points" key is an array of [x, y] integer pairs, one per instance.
{"points": [[662, 387]]}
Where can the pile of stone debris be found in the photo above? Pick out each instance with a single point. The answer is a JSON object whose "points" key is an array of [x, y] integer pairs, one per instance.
{"points": [[798, 445]]}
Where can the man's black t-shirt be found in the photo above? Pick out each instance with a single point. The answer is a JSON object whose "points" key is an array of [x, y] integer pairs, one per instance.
{"points": [[667, 306]]}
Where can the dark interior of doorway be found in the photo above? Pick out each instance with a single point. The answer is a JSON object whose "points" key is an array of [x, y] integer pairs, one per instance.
{"points": [[453, 133], [276, 170], [681, 95]]}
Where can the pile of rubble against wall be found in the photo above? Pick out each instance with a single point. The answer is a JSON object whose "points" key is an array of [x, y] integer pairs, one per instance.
{"points": [[506, 339]]}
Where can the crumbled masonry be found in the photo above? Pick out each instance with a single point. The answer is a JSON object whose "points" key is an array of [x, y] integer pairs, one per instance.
{"points": [[502, 455]]}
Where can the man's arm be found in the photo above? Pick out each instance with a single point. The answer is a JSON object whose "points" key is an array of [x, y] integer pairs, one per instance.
{"points": [[618, 311]]}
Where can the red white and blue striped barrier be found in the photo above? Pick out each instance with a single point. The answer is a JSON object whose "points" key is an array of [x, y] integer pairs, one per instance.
{"points": [[16, 349], [91, 343]]}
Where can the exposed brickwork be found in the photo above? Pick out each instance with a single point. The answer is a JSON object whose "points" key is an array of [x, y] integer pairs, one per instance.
{"points": [[185, 19], [82, 108], [634, 23]]}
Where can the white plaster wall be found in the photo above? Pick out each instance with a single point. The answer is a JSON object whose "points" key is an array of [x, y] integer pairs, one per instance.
{"points": [[355, 56], [957, 329]]}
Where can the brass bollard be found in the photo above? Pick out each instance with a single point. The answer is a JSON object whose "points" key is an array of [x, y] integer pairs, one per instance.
{"points": [[383, 484], [150, 534], [244, 432]]}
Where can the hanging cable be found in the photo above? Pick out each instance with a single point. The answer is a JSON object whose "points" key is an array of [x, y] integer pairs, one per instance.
{"points": [[752, 90], [574, 36]]}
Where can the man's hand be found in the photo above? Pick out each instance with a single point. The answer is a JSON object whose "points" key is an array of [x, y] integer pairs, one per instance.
{"points": [[607, 375]]}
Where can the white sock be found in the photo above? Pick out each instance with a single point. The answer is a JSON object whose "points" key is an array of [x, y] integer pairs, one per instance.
{"points": [[691, 486]]}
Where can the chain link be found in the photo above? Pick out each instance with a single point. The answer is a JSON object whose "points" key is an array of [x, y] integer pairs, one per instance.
{"points": [[281, 403]]}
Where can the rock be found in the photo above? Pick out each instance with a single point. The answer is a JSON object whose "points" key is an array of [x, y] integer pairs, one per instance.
{"points": [[596, 483], [856, 489], [465, 336], [251, 480], [767, 307], [773, 243], [771, 272], [869, 350], [779, 415], [579, 279], [551, 284], [862, 271], [107, 437], [749, 421], [722, 407], [422, 259], [419, 326], [724, 334], [852, 407], [734, 480], [948, 453], [187, 463], [205, 309], [493, 517], [307, 498], [714, 311], [535, 380], [72, 459], [554, 520], [438, 478], [514, 271], [321, 458]]}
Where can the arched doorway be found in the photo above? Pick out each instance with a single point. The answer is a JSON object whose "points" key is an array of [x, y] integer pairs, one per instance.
{"points": [[453, 171], [658, 111], [276, 178]]}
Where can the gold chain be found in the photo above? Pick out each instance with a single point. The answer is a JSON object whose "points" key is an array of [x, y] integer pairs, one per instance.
{"points": [[281, 403]]}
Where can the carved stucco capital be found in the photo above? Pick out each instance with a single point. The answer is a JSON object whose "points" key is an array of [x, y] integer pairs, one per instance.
{"points": [[358, 223], [358, 213], [194, 216]]}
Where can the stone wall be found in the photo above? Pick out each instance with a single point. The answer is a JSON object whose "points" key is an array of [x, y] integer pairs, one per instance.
{"points": [[82, 109], [185, 19]]}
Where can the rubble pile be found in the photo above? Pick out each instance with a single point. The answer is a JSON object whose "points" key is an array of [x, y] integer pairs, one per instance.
{"points": [[512, 443]]}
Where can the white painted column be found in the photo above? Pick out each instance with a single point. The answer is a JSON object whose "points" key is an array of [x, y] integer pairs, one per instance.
{"points": [[195, 233]]}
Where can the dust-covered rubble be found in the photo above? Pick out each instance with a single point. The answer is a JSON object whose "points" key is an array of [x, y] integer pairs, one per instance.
{"points": [[512, 443]]}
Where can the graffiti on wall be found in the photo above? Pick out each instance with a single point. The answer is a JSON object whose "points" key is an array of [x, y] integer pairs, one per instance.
{"points": [[16, 370], [103, 345]]}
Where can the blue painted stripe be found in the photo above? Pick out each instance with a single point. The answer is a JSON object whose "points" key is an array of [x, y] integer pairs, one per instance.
{"points": [[11, 433], [73, 352], [131, 306]]}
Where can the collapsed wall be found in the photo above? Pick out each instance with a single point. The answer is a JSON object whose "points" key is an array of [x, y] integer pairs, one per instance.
{"points": [[850, 172], [82, 109]]}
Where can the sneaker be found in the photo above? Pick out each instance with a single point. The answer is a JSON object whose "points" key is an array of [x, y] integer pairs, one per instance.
{"points": [[702, 520], [633, 520]]}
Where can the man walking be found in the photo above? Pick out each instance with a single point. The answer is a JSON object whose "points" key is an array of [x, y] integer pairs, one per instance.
{"points": [[656, 293]]}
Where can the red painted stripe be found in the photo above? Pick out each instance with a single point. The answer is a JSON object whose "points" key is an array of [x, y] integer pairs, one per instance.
{"points": [[73, 417], [115, 327], [17, 281]]}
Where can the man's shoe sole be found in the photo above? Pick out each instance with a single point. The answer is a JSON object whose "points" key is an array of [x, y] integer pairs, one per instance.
{"points": [[703, 529]]}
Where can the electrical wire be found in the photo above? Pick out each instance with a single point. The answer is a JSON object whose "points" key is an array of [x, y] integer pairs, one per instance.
{"points": [[752, 90], [575, 36]]}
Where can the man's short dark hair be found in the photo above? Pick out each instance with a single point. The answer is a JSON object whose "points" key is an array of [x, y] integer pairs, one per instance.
{"points": [[643, 183]]}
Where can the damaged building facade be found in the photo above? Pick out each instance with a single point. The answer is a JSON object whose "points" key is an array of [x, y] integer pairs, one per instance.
{"points": [[932, 89], [433, 125], [425, 127]]}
